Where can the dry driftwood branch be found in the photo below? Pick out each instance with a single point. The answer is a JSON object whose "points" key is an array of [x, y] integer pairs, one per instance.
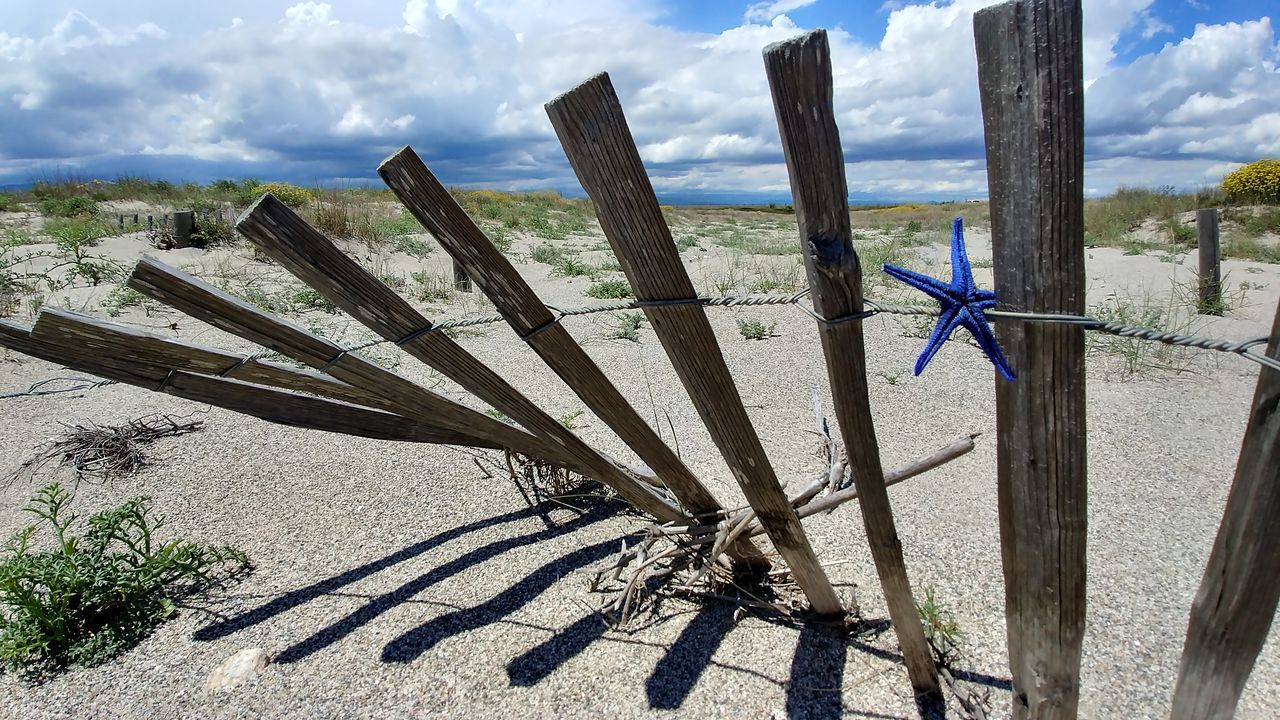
{"points": [[105, 451], [697, 548]]}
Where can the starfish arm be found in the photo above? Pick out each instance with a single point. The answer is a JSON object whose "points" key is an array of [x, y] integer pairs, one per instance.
{"points": [[976, 323], [947, 323], [932, 287]]}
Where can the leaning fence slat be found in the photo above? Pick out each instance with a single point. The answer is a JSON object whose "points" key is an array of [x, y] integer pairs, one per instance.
{"points": [[204, 302], [311, 257], [799, 72], [593, 131], [1031, 85], [278, 406], [430, 202], [1236, 602]]}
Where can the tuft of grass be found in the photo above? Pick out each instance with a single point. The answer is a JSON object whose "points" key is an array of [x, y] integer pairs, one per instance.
{"points": [[609, 290], [308, 298], [628, 326], [940, 628], [122, 297], [755, 329], [97, 594], [431, 287], [570, 421], [548, 254], [1251, 248], [1137, 357], [68, 207]]}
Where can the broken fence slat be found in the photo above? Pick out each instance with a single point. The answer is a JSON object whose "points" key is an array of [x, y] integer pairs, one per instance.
{"points": [[593, 131], [204, 302], [430, 202], [310, 256], [799, 72], [1236, 602]]}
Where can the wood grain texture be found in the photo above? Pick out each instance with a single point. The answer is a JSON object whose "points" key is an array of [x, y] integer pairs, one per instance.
{"points": [[1210, 256], [799, 72], [278, 406], [593, 131], [1031, 85], [1236, 603], [204, 302], [310, 256], [430, 202]]}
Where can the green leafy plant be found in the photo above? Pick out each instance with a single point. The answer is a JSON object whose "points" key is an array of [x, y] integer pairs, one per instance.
{"points": [[75, 206], [940, 628], [308, 298], [432, 287], [609, 290], [122, 297], [754, 329], [570, 421], [74, 238], [628, 326], [95, 595]]}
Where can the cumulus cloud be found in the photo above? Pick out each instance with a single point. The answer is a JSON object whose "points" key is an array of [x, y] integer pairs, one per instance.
{"points": [[464, 81]]}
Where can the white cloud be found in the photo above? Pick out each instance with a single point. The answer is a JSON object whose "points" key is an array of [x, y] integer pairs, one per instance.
{"points": [[766, 11], [465, 82]]}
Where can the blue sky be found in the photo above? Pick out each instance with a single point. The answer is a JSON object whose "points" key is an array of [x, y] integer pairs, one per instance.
{"points": [[1179, 91]]}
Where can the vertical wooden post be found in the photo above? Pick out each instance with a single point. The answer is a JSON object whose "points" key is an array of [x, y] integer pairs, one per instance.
{"points": [[151, 222], [184, 223], [799, 72], [120, 221], [461, 281], [1210, 261], [1030, 79], [135, 220], [1237, 600]]}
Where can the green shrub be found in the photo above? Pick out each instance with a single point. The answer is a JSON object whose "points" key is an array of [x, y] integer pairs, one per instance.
{"points": [[77, 206], [291, 195], [8, 202], [95, 595], [223, 185], [1257, 182], [753, 329], [610, 290], [308, 298]]}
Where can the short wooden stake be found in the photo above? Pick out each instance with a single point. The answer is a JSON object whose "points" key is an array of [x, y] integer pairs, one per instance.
{"points": [[1210, 261], [184, 224]]}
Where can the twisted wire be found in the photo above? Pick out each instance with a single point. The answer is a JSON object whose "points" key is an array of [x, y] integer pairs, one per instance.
{"points": [[874, 307]]}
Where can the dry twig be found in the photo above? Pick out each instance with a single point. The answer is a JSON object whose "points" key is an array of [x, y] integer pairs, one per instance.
{"points": [[103, 451]]}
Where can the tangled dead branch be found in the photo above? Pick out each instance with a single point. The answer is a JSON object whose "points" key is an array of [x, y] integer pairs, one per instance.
{"points": [[104, 451]]}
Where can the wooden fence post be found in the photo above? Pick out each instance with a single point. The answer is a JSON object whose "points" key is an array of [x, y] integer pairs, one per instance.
{"points": [[461, 281], [799, 72], [1210, 261], [184, 223], [1237, 599], [1030, 79]]}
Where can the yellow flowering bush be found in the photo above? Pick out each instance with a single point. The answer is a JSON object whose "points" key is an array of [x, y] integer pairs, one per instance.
{"points": [[291, 195], [1258, 181]]}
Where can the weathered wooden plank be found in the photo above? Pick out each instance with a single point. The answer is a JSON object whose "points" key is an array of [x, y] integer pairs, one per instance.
{"points": [[205, 302], [433, 206], [85, 334], [310, 256], [799, 72], [593, 131], [279, 406], [1236, 602], [1031, 85]]}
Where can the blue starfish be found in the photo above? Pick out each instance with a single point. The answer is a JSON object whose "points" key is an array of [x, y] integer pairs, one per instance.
{"points": [[962, 304]]}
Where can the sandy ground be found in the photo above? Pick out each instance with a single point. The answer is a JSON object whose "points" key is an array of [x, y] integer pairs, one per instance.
{"points": [[397, 580]]}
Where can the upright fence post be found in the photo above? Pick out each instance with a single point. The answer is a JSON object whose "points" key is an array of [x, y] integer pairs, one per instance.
{"points": [[461, 281], [1237, 599], [799, 72], [1030, 79], [1210, 261], [184, 223]]}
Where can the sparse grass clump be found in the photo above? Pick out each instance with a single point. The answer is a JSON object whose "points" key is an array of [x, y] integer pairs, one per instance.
{"points": [[1138, 356], [940, 628], [628, 326], [308, 298], [431, 287], [609, 290], [94, 595], [755, 329]]}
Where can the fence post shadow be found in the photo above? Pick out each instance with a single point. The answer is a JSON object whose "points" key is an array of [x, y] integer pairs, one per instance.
{"points": [[678, 671]]}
